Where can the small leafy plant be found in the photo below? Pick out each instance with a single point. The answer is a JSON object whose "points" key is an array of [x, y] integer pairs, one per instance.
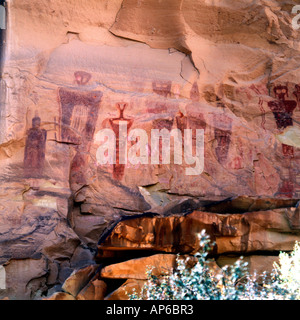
{"points": [[233, 282], [288, 271]]}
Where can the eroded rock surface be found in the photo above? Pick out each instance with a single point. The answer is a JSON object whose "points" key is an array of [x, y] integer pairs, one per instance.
{"points": [[272, 230]]}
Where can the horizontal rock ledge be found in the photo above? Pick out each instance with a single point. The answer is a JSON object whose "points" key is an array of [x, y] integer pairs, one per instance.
{"points": [[271, 230], [136, 268]]}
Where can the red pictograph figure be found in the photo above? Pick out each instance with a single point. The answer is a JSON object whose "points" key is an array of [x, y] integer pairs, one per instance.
{"points": [[82, 77], [161, 124], [283, 112], [260, 91], [237, 163], [222, 131], [297, 94], [115, 123], [161, 105], [162, 88], [286, 189], [181, 122], [78, 118], [253, 91], [287, 150], [194, 93], [195, 119], [35, 147], [282, 109]]}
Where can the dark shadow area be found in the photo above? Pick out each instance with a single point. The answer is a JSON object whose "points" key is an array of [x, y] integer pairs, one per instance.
{"points": [[248, 204]]}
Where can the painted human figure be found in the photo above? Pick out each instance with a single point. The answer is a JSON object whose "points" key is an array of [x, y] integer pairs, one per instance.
{"points": [[194, 93], [282, 109], [287, 150], [286, 189], [79, 111], [161, 124], [160, 104], [223, 138], [222, 131], [289, 180], [118, 168], [283, 112], [237, 163], [35, 147], [78, 117], [297, 94], [162, 88], [195, 118], [181, 122], [82, 77]]}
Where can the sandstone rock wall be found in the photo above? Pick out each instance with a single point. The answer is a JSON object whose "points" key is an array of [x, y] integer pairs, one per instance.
{"points": [[72, 68]]}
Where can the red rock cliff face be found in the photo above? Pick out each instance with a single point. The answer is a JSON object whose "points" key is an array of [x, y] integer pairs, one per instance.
{"points": [[71, 69]]}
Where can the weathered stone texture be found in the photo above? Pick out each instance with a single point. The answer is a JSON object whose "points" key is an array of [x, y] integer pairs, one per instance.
{"points": [[271, 230]]}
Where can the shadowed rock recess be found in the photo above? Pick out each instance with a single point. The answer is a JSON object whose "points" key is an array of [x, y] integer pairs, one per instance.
{"points": [[73, 228]]}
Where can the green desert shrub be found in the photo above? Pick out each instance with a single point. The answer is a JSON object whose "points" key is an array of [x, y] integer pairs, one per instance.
{"points": [[287, 272], [202, 282]]}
